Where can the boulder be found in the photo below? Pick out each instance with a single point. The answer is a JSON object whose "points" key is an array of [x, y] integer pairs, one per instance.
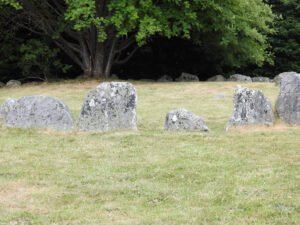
{"points": [[37, 112], [240, 78], [165, 78], [111, 106], [1, 84], [13, 83], [6, 107], [277, 79], [183, 120], [250, 107], [261, 79], [187, 77], [217, 78], [288, 101], [114, 77]]}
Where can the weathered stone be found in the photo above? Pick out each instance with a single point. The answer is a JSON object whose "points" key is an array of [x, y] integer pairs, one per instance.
{"points": [[288, 102], [111, 106], [13, 83], [277, 79], [1, 84], [6, 107], [250, 107], [37, 112], [114, 77], [240, 78], [217, 78], [261, 79], [183, 120], [187, 77], [165, 78]]}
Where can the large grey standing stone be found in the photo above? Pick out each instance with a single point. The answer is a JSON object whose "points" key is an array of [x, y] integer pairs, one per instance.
{"points": [[111, 106], [250, 107], [261, 79], [13, 83], [288, 102], [277, 79], [217, 78], [240, 78], [183, 120], [187, 77], [6, 107], [37, 112]]}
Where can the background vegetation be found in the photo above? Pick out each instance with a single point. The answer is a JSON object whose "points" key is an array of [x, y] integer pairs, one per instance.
{"points": [[52, 39]]}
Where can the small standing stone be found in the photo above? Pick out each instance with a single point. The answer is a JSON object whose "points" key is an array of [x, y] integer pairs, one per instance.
{"points": [[13, 83], [288, 102], [111, 106], [240, 78], [217, 78], [37, 112], [2, 84], [165, 78], [261, 79], [183, 120], [250, 107], [187, 77]]}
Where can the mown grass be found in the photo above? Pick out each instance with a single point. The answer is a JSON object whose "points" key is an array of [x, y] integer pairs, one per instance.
{"points": [[248, 175]]}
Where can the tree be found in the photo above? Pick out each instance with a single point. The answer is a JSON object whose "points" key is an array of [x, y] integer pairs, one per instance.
{"points": [[97, 34]]}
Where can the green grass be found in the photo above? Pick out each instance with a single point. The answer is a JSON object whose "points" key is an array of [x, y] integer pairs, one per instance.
{"points": [[248, 175]]}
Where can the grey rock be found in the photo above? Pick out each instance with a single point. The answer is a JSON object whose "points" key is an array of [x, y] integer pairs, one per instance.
{"points": [[13, 83], [183, 120], [240, 78], [277, 79], [111, 106], [165, 78], [250, 107], [187, 77], [217, 78], [261, 79], [37, 112], [6, 107], [114, 77], [1, 84], [288, 101]]}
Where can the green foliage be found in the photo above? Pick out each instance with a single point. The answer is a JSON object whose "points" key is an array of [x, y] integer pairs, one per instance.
{"points": [[38, 59], [12, 3]]}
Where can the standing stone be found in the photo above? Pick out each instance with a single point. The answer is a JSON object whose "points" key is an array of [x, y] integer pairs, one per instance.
{"points": [[261, 79], [187, 77], [288, 102], [217, 78], [13, 83], [37, 112], [277, 79], [111, 106], [250, 107], [240, 78], [165, 78], [2, 84], [114, 77], [6, 107], [183, 120]]}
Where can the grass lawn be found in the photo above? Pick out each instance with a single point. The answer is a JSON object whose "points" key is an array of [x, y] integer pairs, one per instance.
{"points": [[249, 175]]}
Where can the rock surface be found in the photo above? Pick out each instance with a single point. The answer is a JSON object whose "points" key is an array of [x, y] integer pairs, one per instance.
{"points": [[165, 78], [288, 102], [261, 79], [217, 78], [250, 107], [111, 106], [37, 112], [13, 83], [187, 77], [277, 79], [6, 107], [183, 120], [240, 78]]}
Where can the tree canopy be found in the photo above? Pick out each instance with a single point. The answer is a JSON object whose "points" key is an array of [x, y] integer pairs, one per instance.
{"points": [[98, 34]]}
